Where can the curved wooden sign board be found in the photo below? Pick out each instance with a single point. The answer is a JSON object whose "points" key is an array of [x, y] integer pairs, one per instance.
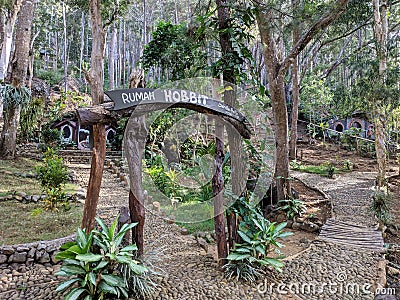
{"points": [[141, 101]]}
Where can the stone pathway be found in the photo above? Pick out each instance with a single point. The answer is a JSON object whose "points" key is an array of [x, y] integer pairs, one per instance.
{"points": [[325, 270]]}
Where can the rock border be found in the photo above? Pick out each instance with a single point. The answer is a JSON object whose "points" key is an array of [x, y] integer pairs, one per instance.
{"points": [[42, 252]]}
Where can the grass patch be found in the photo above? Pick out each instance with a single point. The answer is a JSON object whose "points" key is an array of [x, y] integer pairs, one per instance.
{"points": [[12, 182], [24, 223], [194, 216], [323, 169], [207, 225]]}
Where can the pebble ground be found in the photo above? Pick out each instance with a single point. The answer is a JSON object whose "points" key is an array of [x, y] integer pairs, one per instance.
{"points": [[322, 271]]}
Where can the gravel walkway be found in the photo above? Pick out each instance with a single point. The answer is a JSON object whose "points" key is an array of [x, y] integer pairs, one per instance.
{"points": [[322, 271]]}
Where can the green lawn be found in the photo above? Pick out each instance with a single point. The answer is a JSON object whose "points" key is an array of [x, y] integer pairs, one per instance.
{"points": [[24, 223], [11, 180]]}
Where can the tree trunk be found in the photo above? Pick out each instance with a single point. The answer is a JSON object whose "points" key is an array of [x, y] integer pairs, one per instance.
{"points": [[10, 19], [8, 140], [111, 63], [82, 45], [277, 65], [278, 101], [18, 71], [218, 195], [95, 80], [135, 142], [234, 140], [381, 35], [296, 97], [65, 56], [96, 174], [279, 109]]}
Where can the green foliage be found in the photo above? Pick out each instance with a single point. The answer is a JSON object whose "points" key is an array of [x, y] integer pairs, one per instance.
{"points": [[295, 165], [51, 137], [259, 238], [330, 169], [316, 98], [292, 208], [326, 169], [14, 96], [53, 175], [380, 206], [52, 77], [110, 9], [239, 32], [347, 165], [174, 51], [30, 114], [98, 274]]}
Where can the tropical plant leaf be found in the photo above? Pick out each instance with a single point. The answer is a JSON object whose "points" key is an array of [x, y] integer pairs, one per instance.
{"points": [[113, 280], [72, 270], [237, 256], [104, 287], [67, 245], [277, 264], [129, 248], [280, 226], [66, 284], [103, 226], [64, 255], [245, 238], [101, 265], [74, 294], [89, 257]]}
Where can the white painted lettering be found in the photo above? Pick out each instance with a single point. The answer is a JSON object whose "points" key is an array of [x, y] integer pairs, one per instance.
{"points": [[125, 98], [176, 95], [168, 96], [151, 96], [146, 96], [139, 96], [184, 96], [193, 98]]}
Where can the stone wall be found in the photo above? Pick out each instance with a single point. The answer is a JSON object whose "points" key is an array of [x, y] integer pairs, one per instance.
{"points": [[42, 252]]}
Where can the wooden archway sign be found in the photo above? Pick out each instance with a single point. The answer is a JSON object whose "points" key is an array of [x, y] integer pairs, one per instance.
{"points": [[136, 103]]}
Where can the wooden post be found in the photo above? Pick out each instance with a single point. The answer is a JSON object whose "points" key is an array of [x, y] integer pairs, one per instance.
{"points": [[218, 195], [135, 142], [124, 218]]}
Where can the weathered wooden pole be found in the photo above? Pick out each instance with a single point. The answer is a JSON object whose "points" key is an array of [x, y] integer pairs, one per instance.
{"points": [[134, 144], [218, 195]]}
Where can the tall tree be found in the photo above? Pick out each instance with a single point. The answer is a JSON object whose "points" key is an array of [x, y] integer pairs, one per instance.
{"points": [[229, 76], [295, 91], [95, 79], [381, 36], [278, 63], [8, 16], [17, 78]]}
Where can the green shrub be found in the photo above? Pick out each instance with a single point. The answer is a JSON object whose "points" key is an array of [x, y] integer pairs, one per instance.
{"points": [[380, 206], [50, 76], [51, 137], [30, 115], [259, 238], [97, 274], [347, 165], [292, 207], [53, 175]]}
